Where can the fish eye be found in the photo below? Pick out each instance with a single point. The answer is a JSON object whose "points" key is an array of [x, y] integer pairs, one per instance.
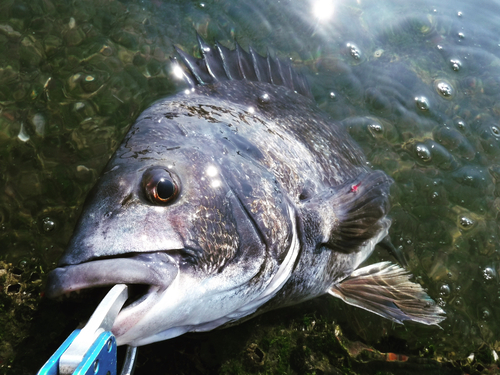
{"points": [[160, 185]]}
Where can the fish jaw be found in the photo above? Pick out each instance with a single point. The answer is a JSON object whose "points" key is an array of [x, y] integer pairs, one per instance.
{"points": [[157, 270], [191, 302], [177, 299], [105, 272]]}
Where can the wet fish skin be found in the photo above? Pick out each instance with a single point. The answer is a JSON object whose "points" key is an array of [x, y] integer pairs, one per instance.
{"points": [[272, 204]]}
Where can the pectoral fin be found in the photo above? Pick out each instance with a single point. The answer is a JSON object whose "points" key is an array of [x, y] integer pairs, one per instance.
{"points": [[385, 289], [360, 206]]}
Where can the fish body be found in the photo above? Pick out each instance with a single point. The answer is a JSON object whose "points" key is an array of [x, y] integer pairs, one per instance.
{"points": [[232, 198]]}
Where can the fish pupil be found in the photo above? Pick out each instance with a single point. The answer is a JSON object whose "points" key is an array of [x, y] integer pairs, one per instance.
{"points": [[165, 189]]}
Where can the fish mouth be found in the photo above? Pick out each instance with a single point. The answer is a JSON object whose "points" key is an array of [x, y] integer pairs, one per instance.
{"points": [[146, 274]]}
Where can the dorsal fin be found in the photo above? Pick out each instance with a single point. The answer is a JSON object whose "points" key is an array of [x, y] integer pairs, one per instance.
{"points": [[222, 64]]}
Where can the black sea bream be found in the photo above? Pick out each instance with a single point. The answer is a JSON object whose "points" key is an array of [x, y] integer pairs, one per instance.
{"points": [[233, 198]]}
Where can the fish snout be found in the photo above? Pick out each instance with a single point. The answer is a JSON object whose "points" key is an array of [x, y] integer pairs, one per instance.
{"points": [[157, 269]]}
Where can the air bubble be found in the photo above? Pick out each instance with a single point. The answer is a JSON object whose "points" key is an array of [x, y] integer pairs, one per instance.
{"points": [[444, 89], [461, 125], [485, 313], [376, 129], [264, 98], [423, 152], [455, 65], [489, 273], [48, 224], [459, 14], [422, 103], [465, 222], [354, 51], [495, 131], [461, 35], [332, 95], [444, 290]]}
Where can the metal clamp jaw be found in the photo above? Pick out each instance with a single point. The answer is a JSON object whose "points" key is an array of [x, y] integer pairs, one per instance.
{"points": [[92, 350]]}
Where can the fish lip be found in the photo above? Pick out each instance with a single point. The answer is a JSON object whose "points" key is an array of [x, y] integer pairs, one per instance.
{"points": [[157, 269], [131, 314]]}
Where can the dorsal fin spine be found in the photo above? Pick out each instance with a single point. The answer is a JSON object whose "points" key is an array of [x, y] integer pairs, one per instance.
{"points": [[280, 70], [195, 73], [224, 61], [239, 58], [269, 70], [205, 50], [188, 77], [220, 63], [255, 64]]}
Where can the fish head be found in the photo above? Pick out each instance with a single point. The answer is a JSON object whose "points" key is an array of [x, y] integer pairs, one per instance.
{"points": [[204, 228]]}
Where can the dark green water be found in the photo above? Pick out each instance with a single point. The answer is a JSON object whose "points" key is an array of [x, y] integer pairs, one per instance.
{"points": [[417, 85]]}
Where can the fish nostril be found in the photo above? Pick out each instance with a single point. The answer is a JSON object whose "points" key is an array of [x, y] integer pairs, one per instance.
{"points": [[127, 199], [305, 194]]}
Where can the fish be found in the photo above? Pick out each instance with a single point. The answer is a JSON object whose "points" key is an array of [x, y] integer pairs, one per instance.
{"points": [[235, 197]]}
